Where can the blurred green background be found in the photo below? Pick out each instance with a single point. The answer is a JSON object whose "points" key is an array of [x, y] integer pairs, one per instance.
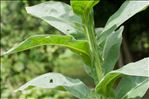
{"points": [[16, 69]]}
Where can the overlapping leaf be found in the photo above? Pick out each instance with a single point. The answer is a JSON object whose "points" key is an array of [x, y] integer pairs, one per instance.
{"points": [[101, 37], [57, 14], [131, 87], [53, 80], [111, 50], [139, 68], [137, 92], [128, 9]]}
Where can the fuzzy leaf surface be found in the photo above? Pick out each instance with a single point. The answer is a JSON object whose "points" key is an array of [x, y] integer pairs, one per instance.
{"points": [[53, 80], [131, 87], [111, 50], [128, 9], [58, 15], [139, 68]]}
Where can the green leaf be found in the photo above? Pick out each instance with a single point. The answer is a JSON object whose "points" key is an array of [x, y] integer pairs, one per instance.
{"points": [[139, 68], [53, 80], [138, 92], [98, 30], [79, 46], [111, 50], [126, 11], [58, 15], [81, 6], [101, 37], [132, 87], [91, 71]]}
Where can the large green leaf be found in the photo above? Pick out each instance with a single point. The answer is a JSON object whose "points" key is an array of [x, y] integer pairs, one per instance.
{"points": [[81, 6], [53, 80], [139, 91], [57, 14], [126, 11], [79, 46], [132, 87], [139, 68], [111, 50]]}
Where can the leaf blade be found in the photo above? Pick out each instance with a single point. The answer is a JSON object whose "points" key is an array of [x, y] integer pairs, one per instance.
{"points": [[126, 11], [58, 15], [53, 80], [132, 69], [111, 50], [135, 92], [131, 84], [80, 46]]}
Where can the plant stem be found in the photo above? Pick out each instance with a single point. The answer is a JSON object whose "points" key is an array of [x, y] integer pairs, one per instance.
{"points": [[88, 22]]}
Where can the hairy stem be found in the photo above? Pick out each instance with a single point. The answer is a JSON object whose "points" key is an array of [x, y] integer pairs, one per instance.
{"points": [[88, 22]]}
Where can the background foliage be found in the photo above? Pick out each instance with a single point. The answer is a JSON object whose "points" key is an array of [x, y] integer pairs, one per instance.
{"points": [[16, 69]]}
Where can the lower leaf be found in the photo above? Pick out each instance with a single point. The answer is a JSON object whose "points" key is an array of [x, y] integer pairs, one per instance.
{"points": [[132, 87], [139, 68], [53, 80]]}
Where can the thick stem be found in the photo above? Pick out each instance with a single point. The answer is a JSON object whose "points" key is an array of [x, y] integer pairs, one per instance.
{"points": [[90, 32]]}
